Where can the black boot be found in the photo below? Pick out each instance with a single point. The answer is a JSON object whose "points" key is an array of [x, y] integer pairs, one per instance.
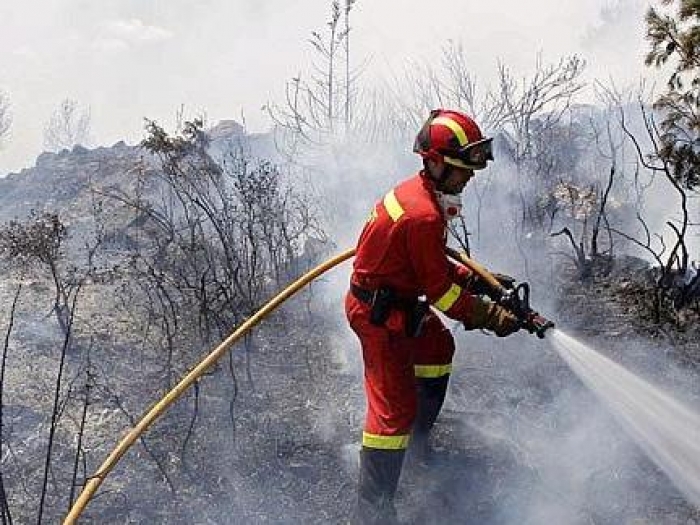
{"points": [[379, 477], [431, 396]]}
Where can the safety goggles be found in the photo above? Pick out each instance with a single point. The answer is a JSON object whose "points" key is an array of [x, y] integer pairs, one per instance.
{"points": [[475, 154]]}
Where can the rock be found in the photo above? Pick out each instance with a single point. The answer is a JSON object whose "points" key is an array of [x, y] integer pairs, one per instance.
{"points": [[79, 150], [226, 129]]}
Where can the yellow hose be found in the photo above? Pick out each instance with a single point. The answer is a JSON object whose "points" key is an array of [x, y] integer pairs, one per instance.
{"points": [[161, 406], [479, 270], [173, 395]]}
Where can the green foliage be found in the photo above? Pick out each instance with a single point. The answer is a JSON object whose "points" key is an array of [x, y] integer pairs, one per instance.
{"points": [[675, 38], [38, 239], [192, 139]]}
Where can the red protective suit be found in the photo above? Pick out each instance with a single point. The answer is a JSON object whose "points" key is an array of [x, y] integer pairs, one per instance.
{"points": [[402, 247]]}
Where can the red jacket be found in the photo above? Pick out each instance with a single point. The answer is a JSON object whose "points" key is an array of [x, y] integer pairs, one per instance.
{"points": [[402, 246]]}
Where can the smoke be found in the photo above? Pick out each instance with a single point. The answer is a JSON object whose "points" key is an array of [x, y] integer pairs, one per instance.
{"points": [[527, 442], [618, 27]]}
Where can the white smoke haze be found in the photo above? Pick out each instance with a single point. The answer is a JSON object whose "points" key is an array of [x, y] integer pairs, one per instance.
{"points": [[569, 459], [539, 447], [515, 402], [130, 59]]}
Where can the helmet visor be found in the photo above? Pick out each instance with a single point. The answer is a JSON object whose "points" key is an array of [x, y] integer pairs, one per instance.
{"points": [[476, 154]]}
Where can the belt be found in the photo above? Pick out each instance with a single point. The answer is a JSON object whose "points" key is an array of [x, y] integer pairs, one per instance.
{"points": [[382, 301], [367, 296]]}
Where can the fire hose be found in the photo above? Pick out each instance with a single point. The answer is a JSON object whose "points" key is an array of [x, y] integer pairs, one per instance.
{"points": [[518, 303]]}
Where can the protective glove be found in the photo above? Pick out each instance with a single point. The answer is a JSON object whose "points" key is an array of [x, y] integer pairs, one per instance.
{"points": [[491, 316]]}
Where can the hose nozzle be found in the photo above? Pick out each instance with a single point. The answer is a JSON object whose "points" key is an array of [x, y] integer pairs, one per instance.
{"points": [[514, 298], [538, 325], [517, 300]]}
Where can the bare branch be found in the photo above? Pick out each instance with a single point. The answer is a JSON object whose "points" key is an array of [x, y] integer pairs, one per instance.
{"points": [[67, 127]]}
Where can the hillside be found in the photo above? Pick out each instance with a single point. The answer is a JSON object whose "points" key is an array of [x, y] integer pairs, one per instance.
{"points": [[270, 435]]}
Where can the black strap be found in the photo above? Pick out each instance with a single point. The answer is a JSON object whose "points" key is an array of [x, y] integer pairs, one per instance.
{"points": [[360, 293], [367, 296]]}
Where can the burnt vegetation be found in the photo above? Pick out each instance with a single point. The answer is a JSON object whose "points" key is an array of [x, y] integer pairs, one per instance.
{"points": [[138, 260], [154, 270]]}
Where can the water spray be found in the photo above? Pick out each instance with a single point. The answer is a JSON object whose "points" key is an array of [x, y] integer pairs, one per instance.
{"points": [[667, 431]]}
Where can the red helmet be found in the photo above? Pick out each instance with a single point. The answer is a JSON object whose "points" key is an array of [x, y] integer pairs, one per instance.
{"points": [[454, 137]]}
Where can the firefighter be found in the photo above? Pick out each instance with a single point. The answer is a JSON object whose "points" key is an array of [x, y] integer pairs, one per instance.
{"points": [[400, 271]]}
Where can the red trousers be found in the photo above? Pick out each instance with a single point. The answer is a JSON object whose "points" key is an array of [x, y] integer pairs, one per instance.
{"points": [[392, 362]]}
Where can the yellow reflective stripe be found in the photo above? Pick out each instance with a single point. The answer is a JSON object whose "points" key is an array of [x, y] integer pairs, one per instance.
{"points": [[384, 442], [432, 371], [392, 206], [456, 129], [449, 298]]}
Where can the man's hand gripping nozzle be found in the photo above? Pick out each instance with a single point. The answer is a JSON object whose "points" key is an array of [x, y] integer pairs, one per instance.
{"points": [[517, 301], [515, 297]]}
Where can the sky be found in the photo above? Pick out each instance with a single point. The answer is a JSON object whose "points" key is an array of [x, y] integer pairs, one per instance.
{"points": [[126, 60]]}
